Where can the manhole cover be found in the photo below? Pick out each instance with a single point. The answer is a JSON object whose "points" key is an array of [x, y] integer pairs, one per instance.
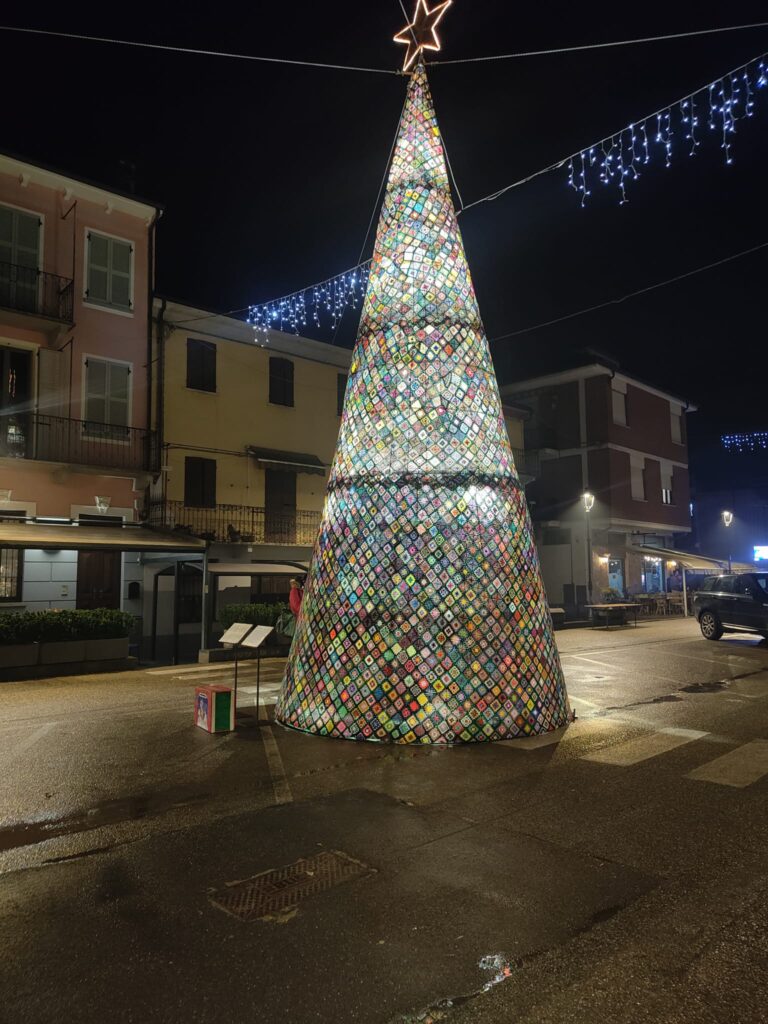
{"points": [[280, 890]]}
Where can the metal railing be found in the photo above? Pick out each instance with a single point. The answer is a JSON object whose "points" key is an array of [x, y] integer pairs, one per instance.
{"points": [[33, 435], [526, 462], [236, 524], [28, 290]]}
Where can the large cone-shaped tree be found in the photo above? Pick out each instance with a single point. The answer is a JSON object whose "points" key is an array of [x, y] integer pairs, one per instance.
{"points": [[424, 619]]}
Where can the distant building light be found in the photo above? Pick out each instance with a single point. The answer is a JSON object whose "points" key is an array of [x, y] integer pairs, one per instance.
{"points": [[727, 518], [761, 553], [757, 441]]}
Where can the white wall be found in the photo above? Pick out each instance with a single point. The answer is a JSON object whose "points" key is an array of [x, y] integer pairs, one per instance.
{"points": [[50, 580]]}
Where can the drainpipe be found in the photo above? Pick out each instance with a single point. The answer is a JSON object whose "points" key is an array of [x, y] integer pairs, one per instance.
{"points": [[150, 300], [161, 377]]}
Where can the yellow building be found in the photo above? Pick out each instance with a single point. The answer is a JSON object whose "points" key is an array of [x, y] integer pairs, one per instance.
{"points": [[248, 428]]}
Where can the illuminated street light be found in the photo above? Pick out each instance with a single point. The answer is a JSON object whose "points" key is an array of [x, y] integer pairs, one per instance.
{"points": [[727, 518], [589, 500]]}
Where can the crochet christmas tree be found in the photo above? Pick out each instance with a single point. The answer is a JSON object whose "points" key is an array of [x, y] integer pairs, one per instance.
{"points": [[424, 619]]}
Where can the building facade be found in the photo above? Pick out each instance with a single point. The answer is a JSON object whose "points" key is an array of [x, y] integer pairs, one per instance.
{"points": [[76, 438], [602, 432], [249, 430]]}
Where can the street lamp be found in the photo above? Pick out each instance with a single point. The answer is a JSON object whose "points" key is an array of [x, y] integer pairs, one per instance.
{"points": [[727, 518], [589, 500]]}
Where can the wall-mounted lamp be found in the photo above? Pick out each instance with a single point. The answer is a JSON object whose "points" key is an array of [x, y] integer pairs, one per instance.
{"points": [[102, 502], [589, 500], [727, 518], [5, 495]]}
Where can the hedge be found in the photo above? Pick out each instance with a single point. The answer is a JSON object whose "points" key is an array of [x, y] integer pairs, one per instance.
{"points": [[257, 614], [52, 626]]}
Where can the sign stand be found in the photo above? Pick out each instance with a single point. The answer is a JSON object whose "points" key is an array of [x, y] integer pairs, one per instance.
{"points": [[254, 640], [235, 636]]}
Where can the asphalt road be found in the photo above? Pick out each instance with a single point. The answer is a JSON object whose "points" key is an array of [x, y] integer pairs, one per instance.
{"points": [[614, 872]]}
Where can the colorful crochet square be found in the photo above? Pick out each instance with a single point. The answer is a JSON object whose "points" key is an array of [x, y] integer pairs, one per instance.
{"points": [[424, 619]]}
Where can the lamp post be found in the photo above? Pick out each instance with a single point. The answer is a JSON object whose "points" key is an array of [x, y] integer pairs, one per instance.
{"points": [[727, 518], [589, 500]]}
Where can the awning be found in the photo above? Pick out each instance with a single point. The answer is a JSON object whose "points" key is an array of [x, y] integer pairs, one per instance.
{"points": [[257, 568], [74, 537], [298, 462], [687, 560]]}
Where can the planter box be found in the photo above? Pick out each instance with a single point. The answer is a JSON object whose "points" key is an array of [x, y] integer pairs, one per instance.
{"points": [[19, 655], [62, 651], [106, 650]]}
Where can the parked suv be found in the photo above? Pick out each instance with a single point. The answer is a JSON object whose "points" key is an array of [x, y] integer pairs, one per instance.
{"points": [[733, 604]]}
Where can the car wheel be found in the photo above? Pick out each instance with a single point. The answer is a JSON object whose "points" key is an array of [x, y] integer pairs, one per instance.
{"points": [[710, 626]]}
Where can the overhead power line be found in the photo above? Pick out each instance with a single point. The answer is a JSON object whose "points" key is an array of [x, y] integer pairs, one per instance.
{"points": [[192, 51], [629, 295], [600, 46]]}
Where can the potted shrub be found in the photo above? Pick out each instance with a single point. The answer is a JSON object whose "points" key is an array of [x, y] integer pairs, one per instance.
{"points": [[17, 641], [59, 639], [107, 633]]}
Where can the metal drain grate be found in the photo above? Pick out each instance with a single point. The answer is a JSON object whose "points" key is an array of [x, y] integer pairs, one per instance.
{"points": [[281, 890]]}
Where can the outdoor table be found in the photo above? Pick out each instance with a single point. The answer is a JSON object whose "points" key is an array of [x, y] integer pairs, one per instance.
{"points": [[603, 611]]}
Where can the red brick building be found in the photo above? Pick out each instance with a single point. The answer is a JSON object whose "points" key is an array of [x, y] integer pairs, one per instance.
{"points": [[598, 430]]}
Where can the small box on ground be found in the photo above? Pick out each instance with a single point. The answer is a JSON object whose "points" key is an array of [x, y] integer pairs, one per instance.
{"points": [[214, 708]]}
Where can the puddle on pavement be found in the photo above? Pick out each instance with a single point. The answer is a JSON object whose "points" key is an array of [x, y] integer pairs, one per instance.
{"points": [[668, 698], [109, 812], [716, 687]]}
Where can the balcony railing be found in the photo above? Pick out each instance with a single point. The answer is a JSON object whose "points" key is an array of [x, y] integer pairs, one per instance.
{"points": [[526, 462], [28, 290], [77, 442], [237, 524]]}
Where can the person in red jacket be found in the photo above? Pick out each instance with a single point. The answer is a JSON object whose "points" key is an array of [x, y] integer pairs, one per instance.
{"points": [[295, 596]]}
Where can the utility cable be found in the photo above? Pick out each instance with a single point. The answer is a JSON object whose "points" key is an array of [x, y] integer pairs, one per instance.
{"points": [[629, 295], [194, 52], [599, 46]]}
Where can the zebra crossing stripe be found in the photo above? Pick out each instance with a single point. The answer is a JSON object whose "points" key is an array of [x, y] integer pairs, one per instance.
{"points": [[644, 747], [739, 768]]}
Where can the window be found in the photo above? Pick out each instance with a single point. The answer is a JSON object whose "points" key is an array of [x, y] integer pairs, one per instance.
{"points": [[107, 393], [280, 381], [11, 562], [200, 483], [676, 414], [666, 483], [109, 267], [341, 390], [201, 365], [19, 258], [619, 401], [666, 496], [637, 479]]}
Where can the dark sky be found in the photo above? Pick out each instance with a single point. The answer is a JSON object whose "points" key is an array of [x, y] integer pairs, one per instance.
{"points": [[269, 174]]}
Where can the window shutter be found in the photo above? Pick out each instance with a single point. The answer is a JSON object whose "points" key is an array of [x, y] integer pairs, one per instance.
{"points": [[199, 482], [201, 365], [341, 390], [280, 381]]}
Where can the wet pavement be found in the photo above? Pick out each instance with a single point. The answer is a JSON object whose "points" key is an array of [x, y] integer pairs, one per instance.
{"points": [[614, 871]]}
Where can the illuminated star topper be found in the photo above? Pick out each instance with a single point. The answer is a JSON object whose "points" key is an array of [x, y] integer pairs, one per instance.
{"points": [[420, 34]]}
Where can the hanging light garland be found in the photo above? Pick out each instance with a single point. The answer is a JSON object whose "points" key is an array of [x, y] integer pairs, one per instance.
{"points": [[328, 299], [617, 159]]}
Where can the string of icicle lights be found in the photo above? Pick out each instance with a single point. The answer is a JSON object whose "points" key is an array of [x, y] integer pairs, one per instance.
{"points": [[718, 107], [614, 161], [328, 298]]}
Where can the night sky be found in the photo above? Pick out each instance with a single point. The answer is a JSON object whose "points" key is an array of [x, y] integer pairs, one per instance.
{"points": [[269, 174]]}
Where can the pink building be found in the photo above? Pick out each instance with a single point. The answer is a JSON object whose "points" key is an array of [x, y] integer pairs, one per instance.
{"points": [[76, 439]]}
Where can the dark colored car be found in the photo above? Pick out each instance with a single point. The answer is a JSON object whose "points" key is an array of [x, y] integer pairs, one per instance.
{"points": [[736, 603]]}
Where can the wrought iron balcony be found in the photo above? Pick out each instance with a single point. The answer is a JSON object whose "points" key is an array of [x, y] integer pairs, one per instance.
{"points": [[28, 290], [76, 442], [237, 524], [526, 464]]}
